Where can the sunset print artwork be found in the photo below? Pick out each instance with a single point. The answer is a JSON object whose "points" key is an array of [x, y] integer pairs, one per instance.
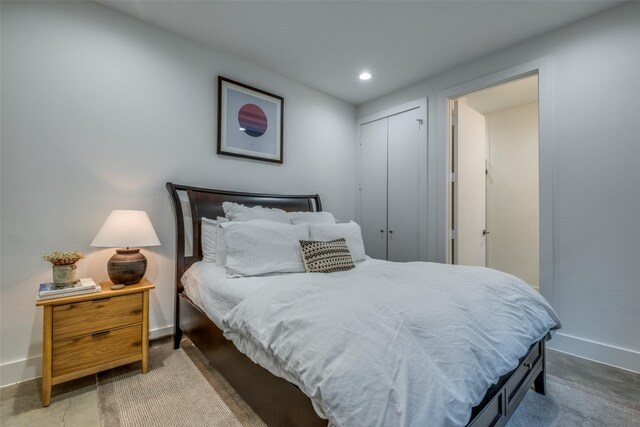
{"points": [[250, 122]]}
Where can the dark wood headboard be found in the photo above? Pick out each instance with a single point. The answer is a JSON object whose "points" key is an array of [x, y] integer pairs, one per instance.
{"points": [[207, 203]]}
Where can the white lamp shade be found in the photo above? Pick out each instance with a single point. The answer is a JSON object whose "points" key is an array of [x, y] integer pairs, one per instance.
{"points": [[125, 228]]}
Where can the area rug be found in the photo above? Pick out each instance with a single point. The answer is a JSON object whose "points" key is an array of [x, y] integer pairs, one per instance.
{"points": [[182, 389]]}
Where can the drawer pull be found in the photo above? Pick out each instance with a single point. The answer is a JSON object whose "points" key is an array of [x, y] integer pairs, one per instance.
{"points": [[527, 365], [102, 299], [97, 334]]}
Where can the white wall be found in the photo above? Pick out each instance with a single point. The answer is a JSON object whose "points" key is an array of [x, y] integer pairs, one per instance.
{"points": [[99, 110], [512, 192], [594, 66]]}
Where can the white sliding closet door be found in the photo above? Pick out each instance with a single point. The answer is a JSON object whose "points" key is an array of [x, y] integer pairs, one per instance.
{"points": [[404, 134], [373, 188], [389, 173]]}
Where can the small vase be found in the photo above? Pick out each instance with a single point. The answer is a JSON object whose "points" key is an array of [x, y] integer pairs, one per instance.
{"points": [[64, 274]]}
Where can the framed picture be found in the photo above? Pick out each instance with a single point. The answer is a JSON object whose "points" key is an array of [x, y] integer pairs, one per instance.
{"points": [[250, 122]]}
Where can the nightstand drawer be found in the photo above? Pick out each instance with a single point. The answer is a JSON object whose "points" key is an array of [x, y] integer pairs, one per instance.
{"points": [[74, 320], [92, 350]]}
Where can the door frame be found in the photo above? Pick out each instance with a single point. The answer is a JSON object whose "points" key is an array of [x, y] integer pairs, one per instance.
{"points": [[422, 104], [542, 68]]}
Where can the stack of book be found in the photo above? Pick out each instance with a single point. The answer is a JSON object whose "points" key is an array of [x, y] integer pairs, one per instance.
{"points": [[83, 286]]}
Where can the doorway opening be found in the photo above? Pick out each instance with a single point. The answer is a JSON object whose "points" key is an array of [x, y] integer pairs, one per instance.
{"points": [[495, 175]]}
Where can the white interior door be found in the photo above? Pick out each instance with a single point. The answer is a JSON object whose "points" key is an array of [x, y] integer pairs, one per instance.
{"points": [[404, 134], [373, 188], [470, 185]]}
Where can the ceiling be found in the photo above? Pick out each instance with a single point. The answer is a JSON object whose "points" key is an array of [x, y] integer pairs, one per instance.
{"points": [[326, 44], [508, 95]]}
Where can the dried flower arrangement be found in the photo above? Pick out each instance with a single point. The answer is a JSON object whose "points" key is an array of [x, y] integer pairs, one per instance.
{"points": [[63, 258]]}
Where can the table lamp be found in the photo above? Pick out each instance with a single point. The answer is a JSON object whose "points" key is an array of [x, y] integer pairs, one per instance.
{"points": [[126, 230]]}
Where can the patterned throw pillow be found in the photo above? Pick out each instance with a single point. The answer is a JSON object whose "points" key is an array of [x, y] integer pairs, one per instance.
{"points": [[326, 257]]}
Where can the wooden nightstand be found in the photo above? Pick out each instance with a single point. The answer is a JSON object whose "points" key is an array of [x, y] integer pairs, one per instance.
{"points": [[89, 333]]}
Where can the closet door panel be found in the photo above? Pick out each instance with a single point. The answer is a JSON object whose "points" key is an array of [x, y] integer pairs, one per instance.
{"points": [[405, 133], [373, 188]]}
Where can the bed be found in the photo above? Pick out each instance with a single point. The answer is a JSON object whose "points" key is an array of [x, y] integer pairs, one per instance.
{"points": [[277, 401]]}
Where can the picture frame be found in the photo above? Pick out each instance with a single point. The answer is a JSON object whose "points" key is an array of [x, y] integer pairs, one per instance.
{"points": [[250, 122]]}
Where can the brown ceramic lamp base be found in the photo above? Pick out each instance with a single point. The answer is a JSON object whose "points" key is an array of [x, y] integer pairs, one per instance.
{"points": [[127, 266]]}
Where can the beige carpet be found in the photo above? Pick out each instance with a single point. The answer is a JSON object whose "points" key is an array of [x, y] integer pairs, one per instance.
{"points": [[178, 390]]}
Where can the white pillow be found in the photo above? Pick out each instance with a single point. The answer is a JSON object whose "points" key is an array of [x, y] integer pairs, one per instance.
{"points": [[221, 252], [350, 231], [311, 217], [209, 238], [238, 212], [208, 232], [262, 247]]}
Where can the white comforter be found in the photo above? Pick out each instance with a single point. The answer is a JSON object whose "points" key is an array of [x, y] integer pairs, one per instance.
{"points": [[392, 344]]}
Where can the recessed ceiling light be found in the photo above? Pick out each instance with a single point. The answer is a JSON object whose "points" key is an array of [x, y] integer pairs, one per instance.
{"points": [[365, 76]]}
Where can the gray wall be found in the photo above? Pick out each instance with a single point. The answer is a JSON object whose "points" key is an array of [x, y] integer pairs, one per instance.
{"points": [[595, 69], [99, 110]]}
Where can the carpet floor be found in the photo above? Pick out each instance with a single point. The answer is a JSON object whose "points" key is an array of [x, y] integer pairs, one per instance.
{"points": [[569, 404], [182, 389]]}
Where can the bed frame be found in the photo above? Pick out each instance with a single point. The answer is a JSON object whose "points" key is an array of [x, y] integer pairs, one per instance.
{"points": [[275, 400]]}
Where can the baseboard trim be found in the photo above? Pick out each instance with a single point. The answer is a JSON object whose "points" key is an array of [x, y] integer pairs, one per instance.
{"points": [[20, 370], [617, 357], [28, 369], [160, 332]]}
